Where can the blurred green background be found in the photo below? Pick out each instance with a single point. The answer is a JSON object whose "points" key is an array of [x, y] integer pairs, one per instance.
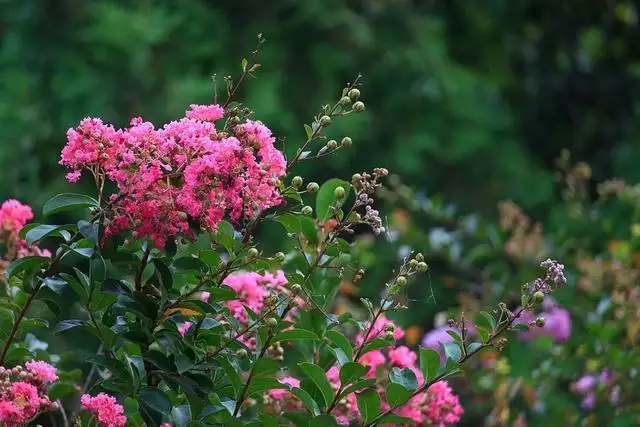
{"points": [[472, 100]]}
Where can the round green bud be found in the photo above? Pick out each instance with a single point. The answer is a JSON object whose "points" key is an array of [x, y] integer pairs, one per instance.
{"points": [[358, 107], [540, 322], [356, 177], [312, 187], [413, 264], [279, 256], [296, 289], [332, 144], [345, 100], [388, 335], [307, 210], [339, 192], [271, 322], [252, 253], [389, 327], [242, 353], [422, 267], [346, 142], [419, 257], [538, 297], [401, 281], [325, 121], [296, 182], [354, 94]]}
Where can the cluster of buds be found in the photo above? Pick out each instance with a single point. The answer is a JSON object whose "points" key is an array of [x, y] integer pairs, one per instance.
{"points": [[554, 278], [409, 268], [276, 352], [365, 185]]}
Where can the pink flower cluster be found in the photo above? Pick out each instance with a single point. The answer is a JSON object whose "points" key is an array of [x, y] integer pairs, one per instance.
{"points": [[23, 394], [185, 172], [437, 406], [588, 385], [13, 216], [105, 408]]}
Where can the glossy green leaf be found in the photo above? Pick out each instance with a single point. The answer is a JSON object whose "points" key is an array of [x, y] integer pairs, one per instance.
{"points": [[67, 201], [319, 378], [306, 399], [295, 334], [352, 372], [429, 363], [404, 377], [326, 198], [368, 404]]}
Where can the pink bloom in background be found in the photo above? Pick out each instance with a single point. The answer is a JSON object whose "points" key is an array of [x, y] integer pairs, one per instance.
{"points": [[402, 357], [209, 113], [182, 329], [442, 406], [589, 401], [278, 394], [378, 330], [14, 215], [557, 323], [105, 408], [204, 296], [42, 370], [585, 384]]}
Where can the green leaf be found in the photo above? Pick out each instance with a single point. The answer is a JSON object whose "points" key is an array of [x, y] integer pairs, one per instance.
{"points": [[260, 385], [154, 404], [404, 377], [351, 371], [89, 230], [323, 421], [374, 344], [368, 404], [395, 420], [181, 415], [65, 325], [40, 232], [232, 375], [295, 334], [326, 198], [17, 355], [489, 319], [397, 395], [308, 131], [341, 341], [306, 399], [164, 274], [317, 375], [473, 346], [453, 351], [369, 382], [521, 327], [190, 264], [28, 263], [429, 363], [68, 201], [158, 359]]}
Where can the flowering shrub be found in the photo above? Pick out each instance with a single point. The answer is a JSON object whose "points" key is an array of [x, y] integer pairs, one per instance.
{"points": [[196, 322]]}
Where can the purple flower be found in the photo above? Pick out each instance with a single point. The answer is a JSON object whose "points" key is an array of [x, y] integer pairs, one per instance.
{"points": [[584, 384], [557, 323], [589, 401], [438, 336]]}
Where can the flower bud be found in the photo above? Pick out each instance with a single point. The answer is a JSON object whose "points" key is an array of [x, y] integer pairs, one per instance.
{"points": [[538, 297], [279, 256], [358, 107], [419, 257], [354, 94], [388, 335], [339, 192], [252, 253], [271, 322], [413, 263], [345, 100], [401, 281], [389, 327], [346, 142], [296, 289], [312, 187], [296, 182], [307, 210], [422, 267], [332, 144], [242, 353], [540, 322], [325, 121]]}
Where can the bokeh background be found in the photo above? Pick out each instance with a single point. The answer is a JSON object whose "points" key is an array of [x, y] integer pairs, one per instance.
{"points": [[468, 104]]}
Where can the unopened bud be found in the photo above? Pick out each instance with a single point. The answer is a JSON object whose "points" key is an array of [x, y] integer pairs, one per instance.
{"points": [[271, 322], [389, 327], [325, 121], [296, 182], [346, 142], [279, 256], [422, 267], [419, 257], [242, 353], [354, 94], [182, 215], [538, 297], [339, 192], [312, 187], [307, 210], [358, 107], [252, 253], [388, 335], [401, 280], [345, 100], [413, 264], [540, 322], [332, 144], [296, 289]]}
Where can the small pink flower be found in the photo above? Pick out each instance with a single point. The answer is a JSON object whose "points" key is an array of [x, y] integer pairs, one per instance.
{"points": [[184, 328], [403, 357], [278, 394], [14, 215], [106, 409], [204, 296], [42, 370], [210, 113]]}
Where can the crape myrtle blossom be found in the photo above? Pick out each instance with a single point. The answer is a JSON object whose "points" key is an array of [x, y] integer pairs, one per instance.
{"points": [[23, 392], [105, 408], [184, 173]]}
